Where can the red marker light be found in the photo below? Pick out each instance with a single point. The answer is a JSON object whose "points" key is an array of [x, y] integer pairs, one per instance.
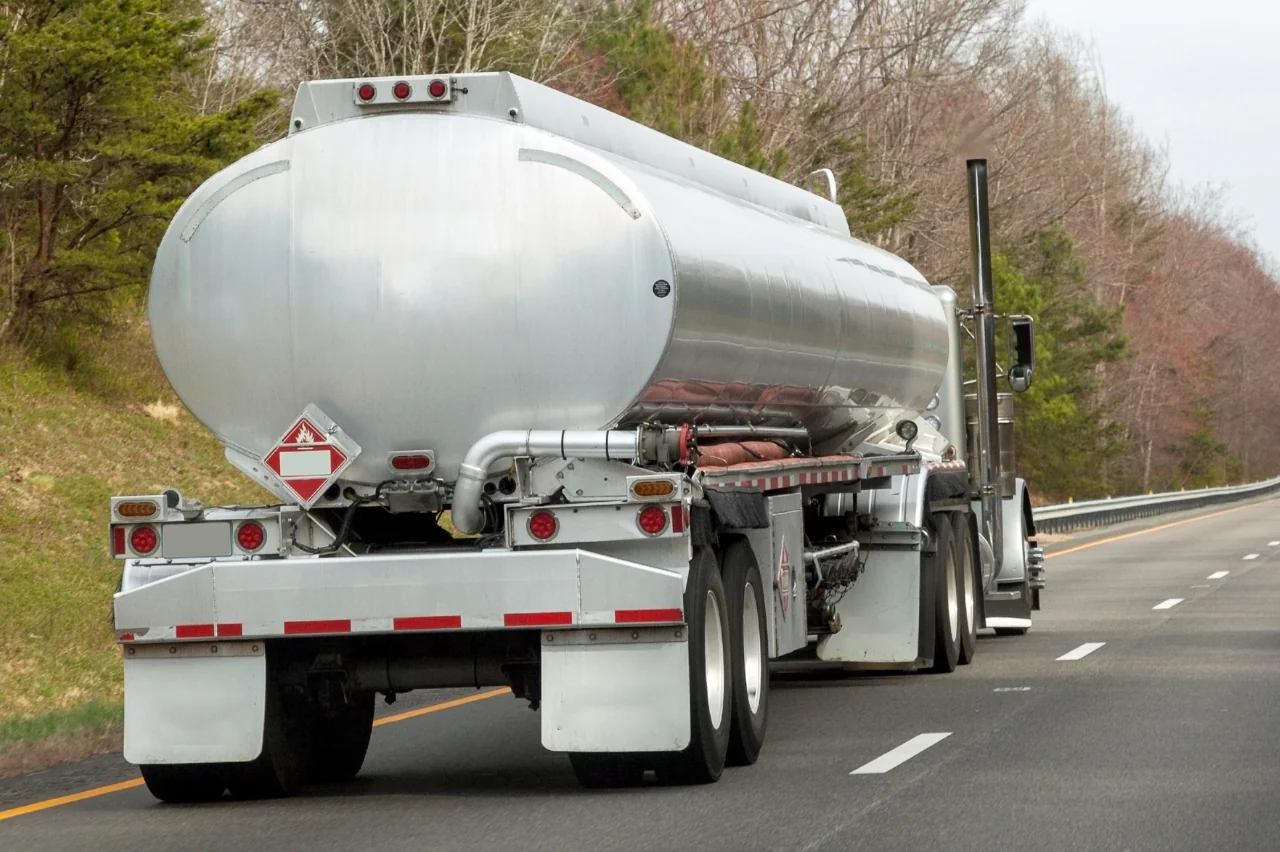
{"points": [[250, 535], [437, 89], [652, 520], [401, 90], [366, 92], [143, 540], [543, 525], [410, 461]]}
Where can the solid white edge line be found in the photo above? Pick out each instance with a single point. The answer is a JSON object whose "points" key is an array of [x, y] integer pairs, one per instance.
{"points": [[1169, 604], [900, 755], [1251, 556], [1217, 575], [1083, 651]]}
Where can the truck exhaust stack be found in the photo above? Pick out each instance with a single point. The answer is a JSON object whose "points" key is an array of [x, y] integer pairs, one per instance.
{"points": [[987, 447]]}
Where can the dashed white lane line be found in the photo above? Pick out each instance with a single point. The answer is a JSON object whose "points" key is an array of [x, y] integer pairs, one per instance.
{"points": [[900, 755], [1218, 575], [1083, 651], [1273, 544], [1012, 689], [1202, 586], [1169, 604], [1251, 556]]}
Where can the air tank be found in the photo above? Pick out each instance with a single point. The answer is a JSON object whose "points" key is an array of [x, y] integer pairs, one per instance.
{"points": [[515, 258]]}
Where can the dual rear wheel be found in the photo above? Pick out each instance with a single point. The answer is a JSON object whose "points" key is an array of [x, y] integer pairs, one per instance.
{"points": [[300, 743], [724, 604]]}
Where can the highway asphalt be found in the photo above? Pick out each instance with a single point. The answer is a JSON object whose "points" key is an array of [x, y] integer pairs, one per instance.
{"points": [[1160, 731]]}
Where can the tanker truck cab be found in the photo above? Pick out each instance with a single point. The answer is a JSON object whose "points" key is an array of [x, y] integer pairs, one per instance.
{"points": [[569, 407]]}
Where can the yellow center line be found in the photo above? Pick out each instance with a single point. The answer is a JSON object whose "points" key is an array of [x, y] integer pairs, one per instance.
{"points": [[1144, 532], [138, 782]]}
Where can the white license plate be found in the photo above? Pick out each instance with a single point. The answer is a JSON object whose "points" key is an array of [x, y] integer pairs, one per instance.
{"points": [[183, 541]]}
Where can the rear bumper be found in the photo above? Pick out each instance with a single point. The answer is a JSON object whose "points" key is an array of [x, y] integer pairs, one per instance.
{"points": [[485, 590]]}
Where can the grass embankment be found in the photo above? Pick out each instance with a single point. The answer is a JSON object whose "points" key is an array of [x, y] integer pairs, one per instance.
{"points": [[85, 418]]}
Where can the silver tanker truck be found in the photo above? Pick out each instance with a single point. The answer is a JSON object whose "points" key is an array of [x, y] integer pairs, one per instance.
{"points": [[550, 401]]}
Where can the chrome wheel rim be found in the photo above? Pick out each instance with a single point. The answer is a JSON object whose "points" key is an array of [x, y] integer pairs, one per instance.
{"points": [[953, 599], [713, 654], [752, 649], [970, 592]]}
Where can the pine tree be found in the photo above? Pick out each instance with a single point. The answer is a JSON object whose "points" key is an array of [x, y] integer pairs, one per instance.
{"points": [[99, 146]]}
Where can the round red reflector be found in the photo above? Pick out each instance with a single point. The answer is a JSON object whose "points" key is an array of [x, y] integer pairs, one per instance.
{"points": [[366, 91], [652, 519], [250, 535], [143, 540], [401, 90], [543, 525], [438, 89]]}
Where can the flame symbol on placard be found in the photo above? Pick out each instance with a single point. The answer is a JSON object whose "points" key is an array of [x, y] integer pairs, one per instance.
{"points": [[305, 435]]}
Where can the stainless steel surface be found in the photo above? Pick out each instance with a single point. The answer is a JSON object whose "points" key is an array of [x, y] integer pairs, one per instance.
{"points": [[987, 443], [188, 539], [1008, 457], [950, 410], [474, 469], [430, 275]]}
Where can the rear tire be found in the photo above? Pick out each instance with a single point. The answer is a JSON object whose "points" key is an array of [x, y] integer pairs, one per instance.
{"points": [[962, 541], [749, 640], [340, 740], [281, 769], [185, 783], [706, 612], [602, 771], [947, 605]]}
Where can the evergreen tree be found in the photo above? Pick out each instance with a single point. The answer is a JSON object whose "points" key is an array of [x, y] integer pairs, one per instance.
{"points": [[1065, 435], [99, 145]]}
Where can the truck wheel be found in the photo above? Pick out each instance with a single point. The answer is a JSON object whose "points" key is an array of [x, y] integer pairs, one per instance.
{"points": [[600, 771], [748, 639], [184, 783], [962, 541], [340, 740], [706, 612], [947, 606], [281, 769]]}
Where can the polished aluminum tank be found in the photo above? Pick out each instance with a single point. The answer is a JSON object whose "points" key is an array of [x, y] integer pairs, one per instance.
{"points": [[518, 259]]}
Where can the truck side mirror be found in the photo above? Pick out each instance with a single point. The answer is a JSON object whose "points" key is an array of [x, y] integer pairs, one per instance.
{"points": [[1024, 353]]}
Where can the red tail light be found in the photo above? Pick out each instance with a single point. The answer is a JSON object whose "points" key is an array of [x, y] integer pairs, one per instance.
{"points": [[652, 520], [543, 525], [250, 535], [437, 89], [410, 461], [366, 92], [143, 540], [401, 90]]}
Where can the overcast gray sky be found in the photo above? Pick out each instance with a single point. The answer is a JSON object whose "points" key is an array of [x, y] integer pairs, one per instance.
{"points": [[1203, 77]]}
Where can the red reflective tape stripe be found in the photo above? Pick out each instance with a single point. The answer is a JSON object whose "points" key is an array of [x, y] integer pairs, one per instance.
{"points": [[127, 637], [194, 631], [773, 482], [634, 616], [428, 622], [786, 481], [536, 619], [230, 629], [336, 625]]}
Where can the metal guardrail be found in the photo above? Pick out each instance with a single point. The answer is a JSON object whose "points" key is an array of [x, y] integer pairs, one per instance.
{"points": [[1066, 517]]}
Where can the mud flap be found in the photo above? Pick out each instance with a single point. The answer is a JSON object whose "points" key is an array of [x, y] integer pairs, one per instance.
{"points": [[605, 691], [199, 703]]}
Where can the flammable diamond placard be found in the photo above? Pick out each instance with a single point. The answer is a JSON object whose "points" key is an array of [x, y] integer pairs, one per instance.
{"points": [[311, 455]]}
